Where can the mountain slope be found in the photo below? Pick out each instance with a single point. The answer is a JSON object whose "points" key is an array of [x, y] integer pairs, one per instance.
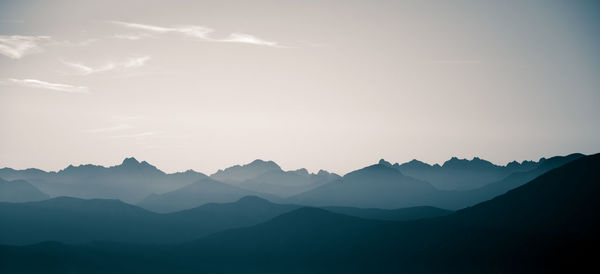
{"points": [[267, 177], [130, 181], [72, 220], [201, 192], [455, 200], [237, 174], [400, 214], [19, 191], [548, 225], [376, 186], [461, 174]]}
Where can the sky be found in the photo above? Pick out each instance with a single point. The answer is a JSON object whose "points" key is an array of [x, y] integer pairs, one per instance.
{"points": [[332, 85]]}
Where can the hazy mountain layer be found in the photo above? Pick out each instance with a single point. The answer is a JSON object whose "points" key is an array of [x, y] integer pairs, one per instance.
{"points": [[548, 225], [72, 220], [268, 177], [383, 186], [201, 192], [130, 181], [19, 191], [461, 174]]}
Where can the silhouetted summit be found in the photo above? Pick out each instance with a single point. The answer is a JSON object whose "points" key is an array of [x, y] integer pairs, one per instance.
{"points": [[238, 174]]}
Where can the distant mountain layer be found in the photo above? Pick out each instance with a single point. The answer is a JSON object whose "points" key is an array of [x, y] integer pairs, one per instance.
{"points": [[19, 191], [547, 222], [461, 174], [383, 186], [548, 225], [267, 177], [130, 181], [377, 186], [201, 192]]}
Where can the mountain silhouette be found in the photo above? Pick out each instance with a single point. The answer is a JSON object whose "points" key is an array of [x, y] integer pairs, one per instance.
{"points": [[130, 181], [267, 177], [19, 191], [461, 174], [201, 192], [548, 225], [238, 174], [383, 186], [378, 186], [400, 214], [489, 191], [73, 220], [542, 226]]}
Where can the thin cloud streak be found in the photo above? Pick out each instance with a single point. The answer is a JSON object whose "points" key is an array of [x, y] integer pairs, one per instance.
{"points": [[249, 39], [17, 46], [32, 83], [130, 63], [199, 32]]}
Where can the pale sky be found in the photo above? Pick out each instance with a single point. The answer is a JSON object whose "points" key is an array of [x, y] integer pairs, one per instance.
{"points": [[332, 85]]}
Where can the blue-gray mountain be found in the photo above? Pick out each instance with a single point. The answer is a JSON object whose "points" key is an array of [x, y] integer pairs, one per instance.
{"points": [[384, 186], [267, 177], [73, 220], [548, 225], [130, 181], [19, 191], [461, 174]]}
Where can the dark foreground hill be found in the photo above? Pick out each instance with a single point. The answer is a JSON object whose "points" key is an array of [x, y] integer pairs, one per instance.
{"points": [[72, 220], [548, 225]]}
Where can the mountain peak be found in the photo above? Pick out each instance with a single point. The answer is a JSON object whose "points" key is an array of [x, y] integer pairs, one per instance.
{"points": [[477, 162], [414, 163], [262, 163], [384, 162], [130, 161]]}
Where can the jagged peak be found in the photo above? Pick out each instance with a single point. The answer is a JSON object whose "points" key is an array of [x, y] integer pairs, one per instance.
{"points": [[323, 172], [260, 162], [456, 162], [302, 172], [384, 162]]}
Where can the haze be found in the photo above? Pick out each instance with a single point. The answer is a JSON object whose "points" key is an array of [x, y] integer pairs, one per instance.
{"points": [[338, 85]]}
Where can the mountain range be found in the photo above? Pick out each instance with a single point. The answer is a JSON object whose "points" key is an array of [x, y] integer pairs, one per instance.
{"points": [[382, 185], [77, 221], [546, 225]]}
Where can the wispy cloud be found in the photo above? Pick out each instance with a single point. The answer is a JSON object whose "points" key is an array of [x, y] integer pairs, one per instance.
{"points": [[249, 39], [130, 63], [32, 83], [67, 43], [109, 129], [17, 46], [200, 32]]}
